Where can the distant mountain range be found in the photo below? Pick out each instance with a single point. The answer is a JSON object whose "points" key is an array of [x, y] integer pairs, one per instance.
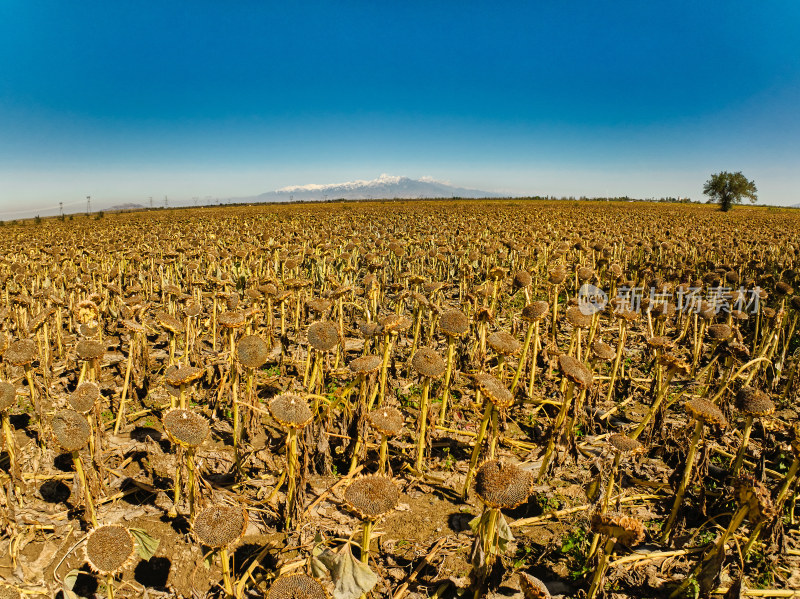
{"points": [[384, 187]]}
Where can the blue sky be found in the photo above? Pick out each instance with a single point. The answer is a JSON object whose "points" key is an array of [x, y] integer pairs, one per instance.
{"points": [[126, 100]]}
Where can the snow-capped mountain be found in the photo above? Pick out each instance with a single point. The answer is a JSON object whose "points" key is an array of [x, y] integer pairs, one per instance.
{"points": [[384, 187]]}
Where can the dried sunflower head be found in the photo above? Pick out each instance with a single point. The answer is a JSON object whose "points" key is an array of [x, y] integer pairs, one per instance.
{"points": [[109, 549], [627, 530], [220, 525], [453, 323], [535, 311], [428, 363], [575, 370], [365, 364], [704, 410], [532, 587], [84, 397], [8, 395], [252, 351], [603, 351], [493, 389], [754, 402], [624, 444], [89, 349], [296, 586], [387, 420], [323, 336], [71, 429], [372, 496], [504, 343], [21, 352], [503, 485], [183, 375], [290, 410], [185, 427]]}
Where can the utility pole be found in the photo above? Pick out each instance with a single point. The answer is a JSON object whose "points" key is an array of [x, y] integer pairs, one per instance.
{"points": [[88, 205], [61, 210], [166, 202]]}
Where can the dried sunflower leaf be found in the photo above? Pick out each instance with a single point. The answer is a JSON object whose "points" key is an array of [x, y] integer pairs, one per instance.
{"points": [[146, 545], [352, 578], [504, 535], [69, 583]]}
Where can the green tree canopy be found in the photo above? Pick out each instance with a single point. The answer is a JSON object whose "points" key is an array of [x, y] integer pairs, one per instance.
{"points": [[728, 189]]}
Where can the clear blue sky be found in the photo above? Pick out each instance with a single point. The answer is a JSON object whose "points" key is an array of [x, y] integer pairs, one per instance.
{"points": [[123, 100]]}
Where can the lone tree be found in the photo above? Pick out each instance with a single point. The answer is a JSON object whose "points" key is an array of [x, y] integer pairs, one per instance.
{"points": [[728, 189]]}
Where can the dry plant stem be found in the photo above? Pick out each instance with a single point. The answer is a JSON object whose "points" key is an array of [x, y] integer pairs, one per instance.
{"points": [[489, 544], [687, 474], [82, 375], [623, 330], [788, 336], [12, 459], [291, 475], [660, 394], [307, 370], [523, 354], [698, 342], [494, 295], [388, 340], [736, 521], [124, 396], [171, 348], [383, 454], [417, 326], [176, 492], [556, 432], [600, 570], [737, 464], [87, 494], [403, 588], [423, 424], [37, 404], [604, 503], [534, 358], [362, 400], [495, 433], [237, 423], [730, 379], [190, 467], [110, 586], [476, 450], [593, 329], [227, 580], [783, 492], [576, 413], [365, 540], [555, 312], [451, 347]]}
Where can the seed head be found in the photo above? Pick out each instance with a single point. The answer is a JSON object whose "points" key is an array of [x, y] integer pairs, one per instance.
{"points": [[185, 427], [503, 485], [219, 525], [372, 496], [71, 429], [109, 549]]}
